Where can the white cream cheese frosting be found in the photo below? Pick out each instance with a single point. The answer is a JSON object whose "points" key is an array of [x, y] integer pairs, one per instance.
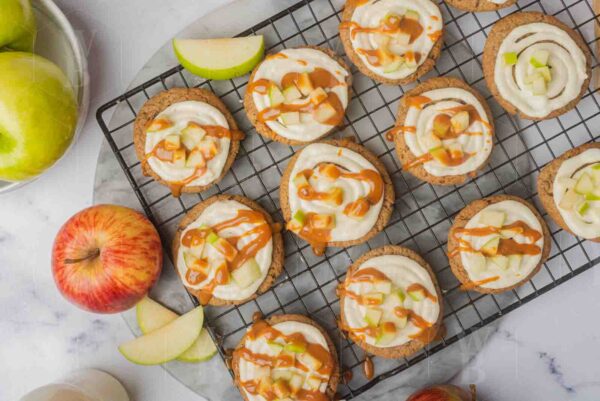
{"points": [[249, 371], [180, 114], [514, 211], [587, 225], [419, 143], [371, 14], [347, 228], [214, 214], [567, 64], [403, 272], [299, 60]]}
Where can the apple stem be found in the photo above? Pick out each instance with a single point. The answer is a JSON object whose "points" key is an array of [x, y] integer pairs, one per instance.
{"points": [[473, 392], [91, 255]]}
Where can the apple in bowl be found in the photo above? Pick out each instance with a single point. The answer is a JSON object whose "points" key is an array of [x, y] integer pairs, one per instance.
{"points": [[106, 257]]}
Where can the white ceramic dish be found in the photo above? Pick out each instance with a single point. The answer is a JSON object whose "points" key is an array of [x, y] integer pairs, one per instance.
{"points": [[57, 41]]}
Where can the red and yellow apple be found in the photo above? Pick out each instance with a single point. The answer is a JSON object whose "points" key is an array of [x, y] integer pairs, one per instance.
{"points": [[443, 392], [105, 258]]}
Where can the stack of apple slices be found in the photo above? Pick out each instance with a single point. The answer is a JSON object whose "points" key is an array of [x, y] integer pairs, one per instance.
{"points": [[373, 315], [480, 261], [168, 336], [299, 99], [582, 192], [444, 127]]}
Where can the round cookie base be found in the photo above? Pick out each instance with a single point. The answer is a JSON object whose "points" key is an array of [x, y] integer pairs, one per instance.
{"points": [[407, 157], [423, 69], [160, 102], [412, 346], [276, 260], [263, 129], [545, 185], [497, 35], [335, 375], [479, 5], [461, 221], [388, 192]]}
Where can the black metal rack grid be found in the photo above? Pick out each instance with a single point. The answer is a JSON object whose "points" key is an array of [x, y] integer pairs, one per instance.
{"points": [[423, 213]]}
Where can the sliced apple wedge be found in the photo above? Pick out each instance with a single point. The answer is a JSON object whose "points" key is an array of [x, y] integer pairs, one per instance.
{"points": [[166, 343], [152, 316], [202, 350], [225, 58]]}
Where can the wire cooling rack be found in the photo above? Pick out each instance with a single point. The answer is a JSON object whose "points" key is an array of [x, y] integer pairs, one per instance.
{"points": [[422, 214]]}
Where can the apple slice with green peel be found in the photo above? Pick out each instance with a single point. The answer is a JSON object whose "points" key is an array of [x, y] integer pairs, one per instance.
{"points": [[202, 350], [276, 347], [225, 58], [400, 295], [514, 262], [374, 298], [440, 154], [492, 218], [247, 273], [297, 222], [318, 96], [172, 142], [167, 342], [275, 96], [304, 84], [490, 248], [417, 295], [296, 348], [460, 121], [540, 58], [510, 58], [545, 73], [395, 65], [412, 14], [584, 185], [431, 141], [195, 159], [441, 125], [582, 207], [373, 316], [478, 262], [324, 112], [387, 334], [192, 135], [384, 287], [152, 316], [291, 93], [309, 361], [290, 118]]}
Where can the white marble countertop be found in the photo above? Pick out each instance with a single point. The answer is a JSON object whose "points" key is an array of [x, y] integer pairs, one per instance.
{"points": [[547, 350]]}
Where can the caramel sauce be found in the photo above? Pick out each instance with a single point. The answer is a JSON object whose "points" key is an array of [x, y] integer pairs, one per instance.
{"points": [[347, 376], [392, 25], [417, 101], [474, 284], [316, 237], [260, 86], [276, 56], [160, 124], [421, 287], [368, 368], [319, 77], [434, 36], [261, 234], [413, 317], [359, 299], [367, 275], [424, 158]]}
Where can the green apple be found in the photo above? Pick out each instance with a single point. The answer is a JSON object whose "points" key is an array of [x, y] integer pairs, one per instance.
{"points": [[17, 25], [151, 316], [38, 115], [167, 342], [220, 58]]}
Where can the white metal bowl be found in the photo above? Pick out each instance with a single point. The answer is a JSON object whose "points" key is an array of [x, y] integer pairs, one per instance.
{"points": [[57, 41]]}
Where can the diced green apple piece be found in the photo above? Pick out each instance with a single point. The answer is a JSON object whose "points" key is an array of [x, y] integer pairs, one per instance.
{"points": [[300, 180], [400, 295], [440, 154], [373, 316], [431, 141], [538, 86], [172, 142], [318, 96], [490, 248], [296, 382], [304, 84], [387, 334], [296, 348], [394, 65], [282, 374], [291, 93], [275, 347], [460, 121], [275, 96], [514, 262], [583, 207], [441, 125], [195, 159], [179, 158], [455, 150], [298, 221], [510, 58], [545, 73], [417, 295], [290, 118], [492, 218], [192, 135], [401, 39], [540, 58], [324, 112], [501, 261], [412, 14], [309, 361], [323, 221], [224, 58], [167, 342], [313, 383], [401, 322], [585, 184], [477, 262], [374, 298], [246, 274], [569, 199]]}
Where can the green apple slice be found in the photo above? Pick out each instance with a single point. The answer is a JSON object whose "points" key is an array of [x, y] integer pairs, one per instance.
{"points": [[569, 199], [373, 316], [490, 248], [417, 295], [585, 184], [510, 58], [225, 58], [201, 350], [400, 295], [500, 261], [247, 273], [493, 218], [296, 348], [477, 262], [514, 262], [167, 342], [540, 58], [152, 316], [384, 287]]}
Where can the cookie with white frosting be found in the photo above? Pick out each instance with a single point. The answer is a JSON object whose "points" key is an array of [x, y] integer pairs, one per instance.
{"points": [[335, 193], [497, 243], [444, 131], [536, 66], [297, 96], [390, 302], [227, 249], [186, 139], [392, 41], [481, 5], [286, 357], [569, 189]]}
